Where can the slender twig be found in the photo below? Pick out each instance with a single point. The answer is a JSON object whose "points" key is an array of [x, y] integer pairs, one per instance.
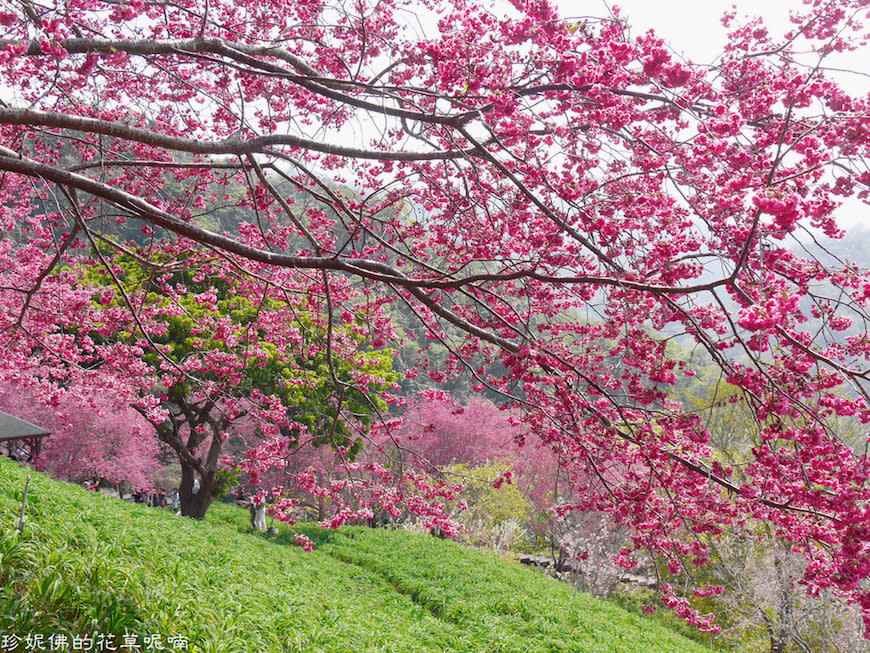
{"points": [[23, 506]]}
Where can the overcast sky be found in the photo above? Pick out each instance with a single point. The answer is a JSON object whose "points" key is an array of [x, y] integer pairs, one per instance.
{"points": [[693, 28]]}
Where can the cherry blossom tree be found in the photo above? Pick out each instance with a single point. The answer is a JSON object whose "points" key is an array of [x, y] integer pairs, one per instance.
{"points": [[213, 348], [438, 431], [466, 441], [554, 200], [91, 437], [443, 431]]}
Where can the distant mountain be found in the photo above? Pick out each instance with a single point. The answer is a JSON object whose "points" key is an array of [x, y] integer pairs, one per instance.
{"points": [[854, 246]]}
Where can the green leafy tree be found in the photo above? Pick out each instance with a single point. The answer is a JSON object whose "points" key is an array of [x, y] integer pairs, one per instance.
{"points": [[495, 510], [216, 355]]}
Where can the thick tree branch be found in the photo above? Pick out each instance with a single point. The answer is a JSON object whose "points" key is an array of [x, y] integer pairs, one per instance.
{"points": [[230, 146]]}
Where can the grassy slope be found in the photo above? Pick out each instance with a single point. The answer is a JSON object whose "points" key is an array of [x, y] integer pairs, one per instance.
{"points": [[88, 563]]}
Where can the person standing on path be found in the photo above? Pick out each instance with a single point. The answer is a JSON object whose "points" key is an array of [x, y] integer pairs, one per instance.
{"points": [[258, 514]]}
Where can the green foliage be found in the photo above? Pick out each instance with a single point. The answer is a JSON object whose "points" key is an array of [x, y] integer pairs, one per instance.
{"points": [[301, 376], [232, 356], [489, 505], [92, 563], [226, 480], [494, 516]]}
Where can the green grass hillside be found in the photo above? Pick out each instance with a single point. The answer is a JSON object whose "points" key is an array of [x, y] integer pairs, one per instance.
{"points": [[93, 565]]}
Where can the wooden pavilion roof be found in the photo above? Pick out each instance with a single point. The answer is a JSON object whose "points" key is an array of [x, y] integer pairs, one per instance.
{"points": [[14, 428]]}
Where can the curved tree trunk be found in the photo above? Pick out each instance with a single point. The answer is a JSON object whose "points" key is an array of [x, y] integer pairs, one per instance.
{"points": [[199, 475]]}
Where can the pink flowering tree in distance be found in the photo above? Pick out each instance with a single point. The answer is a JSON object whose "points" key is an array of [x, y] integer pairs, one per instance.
{"points": [[91, 437], [442, 431], [438, 431], [552, 199], [210, 355]]}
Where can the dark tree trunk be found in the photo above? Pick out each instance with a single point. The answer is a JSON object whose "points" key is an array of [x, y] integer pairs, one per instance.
{"points": [[200, 482], [195, 504]]}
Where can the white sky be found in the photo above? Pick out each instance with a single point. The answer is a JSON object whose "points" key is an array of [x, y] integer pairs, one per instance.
{"points": [[693, 27]]}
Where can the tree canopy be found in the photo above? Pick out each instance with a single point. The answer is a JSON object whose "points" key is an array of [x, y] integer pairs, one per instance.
{"points": [[219, 347], [553, 200]]}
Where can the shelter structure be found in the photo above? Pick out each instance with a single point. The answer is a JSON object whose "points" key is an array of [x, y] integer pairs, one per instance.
{"points": [[19, 438]]}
